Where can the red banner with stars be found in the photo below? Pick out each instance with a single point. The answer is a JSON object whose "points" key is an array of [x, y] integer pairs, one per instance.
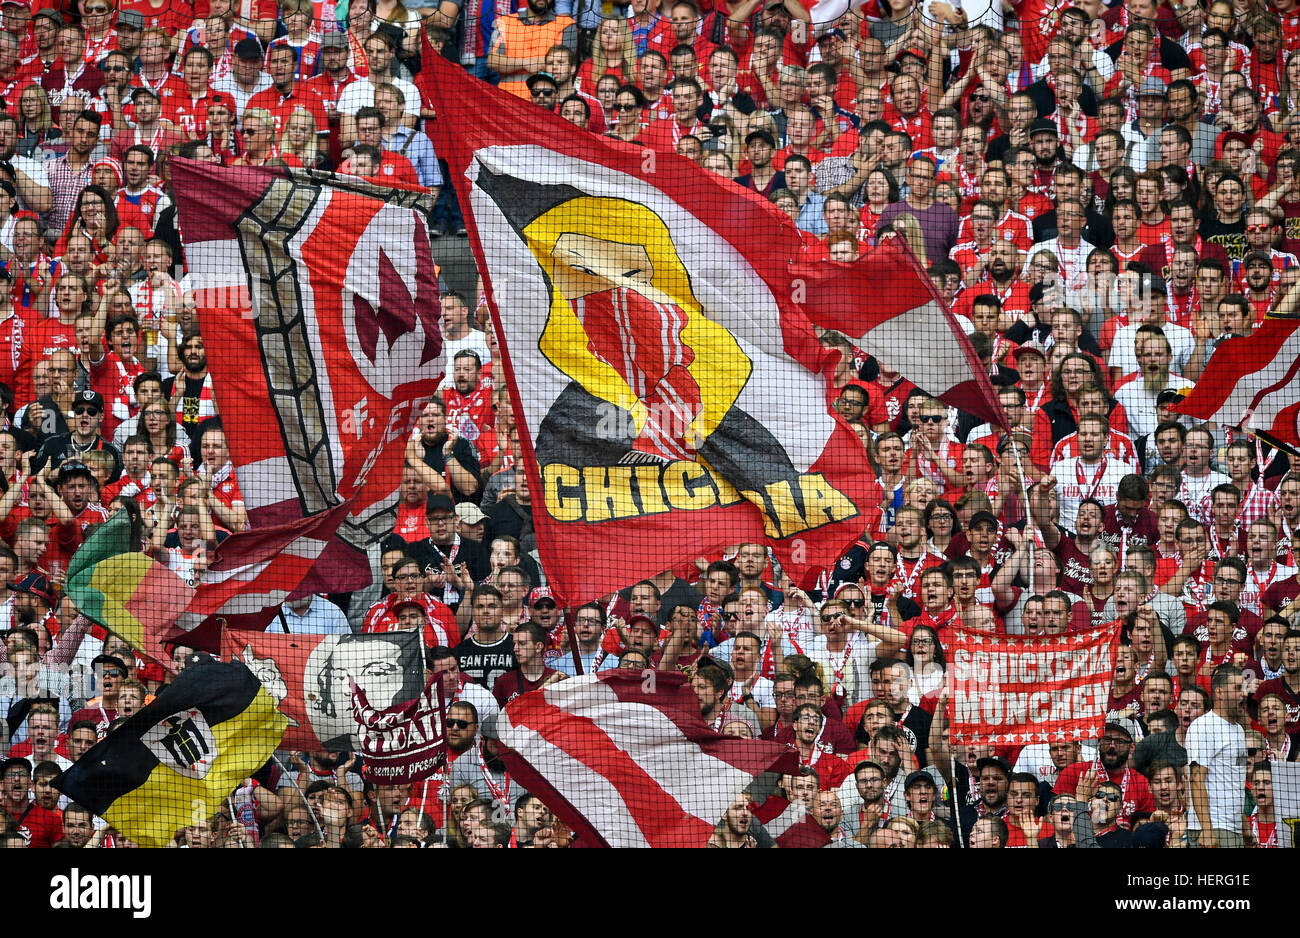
{"points": [[1017, 690]]}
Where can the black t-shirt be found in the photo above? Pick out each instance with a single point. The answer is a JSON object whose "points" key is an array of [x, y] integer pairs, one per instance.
{"points": [[191, 399], [58, 448], [463, 453], [1231, 237], [485, 663], [1172, 55], [471, 553]]}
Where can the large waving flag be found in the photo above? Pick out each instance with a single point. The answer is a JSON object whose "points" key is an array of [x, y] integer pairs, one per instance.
{"points": [[670, 396], [1253, 382], [201, 737], [628, 762], [885, 302], [318, 300], [126, 591], [253, 572]]}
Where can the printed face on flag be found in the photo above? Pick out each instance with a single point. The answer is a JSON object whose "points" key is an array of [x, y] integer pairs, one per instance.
{"points": [[310, 677], [650, 357]]}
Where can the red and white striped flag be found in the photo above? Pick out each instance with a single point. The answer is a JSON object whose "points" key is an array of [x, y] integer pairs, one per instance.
{"points": [[625, 759], [255, 571], [1252, 382], [885, 303]]}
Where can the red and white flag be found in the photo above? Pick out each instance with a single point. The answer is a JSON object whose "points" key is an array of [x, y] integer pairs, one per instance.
{"points": [[1016, 690], [318, 300], [253, 572], [669, 393], [886, 304], [1253, 382], [626, 759]]}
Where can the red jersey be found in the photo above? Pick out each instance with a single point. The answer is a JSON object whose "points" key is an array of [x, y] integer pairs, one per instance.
{"points": [[1135, 792], [513, 684], [282, 105], [115, 380], [440, 626], [38, 826], [412, 523]]}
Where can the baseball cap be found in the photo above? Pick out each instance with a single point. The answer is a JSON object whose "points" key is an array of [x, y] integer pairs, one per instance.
{"points": [[248, 48], [540, 76], [71, 469], [1029, 348], [469, 513], [397, 607], [1042, 125], [832, 34], [13, 761], [141, 91], [131, 19], [1152, 87], [89, 398], [995, 761], [221, 99], [334, 41], [53, 15], [439, 503], [540, 594], [1233, 135], [981, 516], [38, 584], [919, 778], [1168, 396], [641, 618], [1120, 728]]}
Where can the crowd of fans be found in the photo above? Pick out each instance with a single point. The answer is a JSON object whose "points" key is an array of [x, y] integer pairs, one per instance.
{"points": [[1103, 195]]}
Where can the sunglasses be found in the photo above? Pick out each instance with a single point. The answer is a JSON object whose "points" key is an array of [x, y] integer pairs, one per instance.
{"points": [[731, 616], [85, 412], [931, 418], [831, 618], [544, 93], [460, 724], [1106, 796], [96, 11], [114, 672], [854, 603], [625, 107], [1259, 228]]}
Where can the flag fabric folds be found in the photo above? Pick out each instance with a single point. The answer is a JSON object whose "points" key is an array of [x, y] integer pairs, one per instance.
{"points": [[670, 395], [402, 742], [1253, 382], [627, 760], [318, 300], [885, 302], [308, 677], [253, 572], [179, 757], [126, 591]]}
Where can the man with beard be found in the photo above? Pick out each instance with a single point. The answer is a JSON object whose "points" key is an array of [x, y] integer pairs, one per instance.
{"points": [[190, 392], [1092, 474], [1004, 283], [1141, 389], [1104, 805], [468, 397], [439, 453], [1216, 752], [939, 223], [1114, 747], [868, 799], [481, 766]]}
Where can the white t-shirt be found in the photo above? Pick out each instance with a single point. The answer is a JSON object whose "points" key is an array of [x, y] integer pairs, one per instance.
{"points": [[1123, 351], [1140, 404], [474, 341], [1220, 747], [361, 94], [762, 691], [856, 665], [1072, 491]]}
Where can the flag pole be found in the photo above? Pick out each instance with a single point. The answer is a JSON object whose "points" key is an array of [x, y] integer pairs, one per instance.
{"points": [[310, 812]]}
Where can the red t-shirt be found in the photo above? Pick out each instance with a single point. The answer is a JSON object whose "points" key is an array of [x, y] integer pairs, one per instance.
{"points": [[38, 826], [513, 684]]}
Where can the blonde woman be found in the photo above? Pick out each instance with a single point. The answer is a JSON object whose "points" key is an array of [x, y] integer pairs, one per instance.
{"points": [[909, 229], [298, 141], [36, 130], [613, 53]]}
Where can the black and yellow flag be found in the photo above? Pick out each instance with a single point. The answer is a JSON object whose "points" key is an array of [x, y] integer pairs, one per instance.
{"points": [[176, 760]]}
